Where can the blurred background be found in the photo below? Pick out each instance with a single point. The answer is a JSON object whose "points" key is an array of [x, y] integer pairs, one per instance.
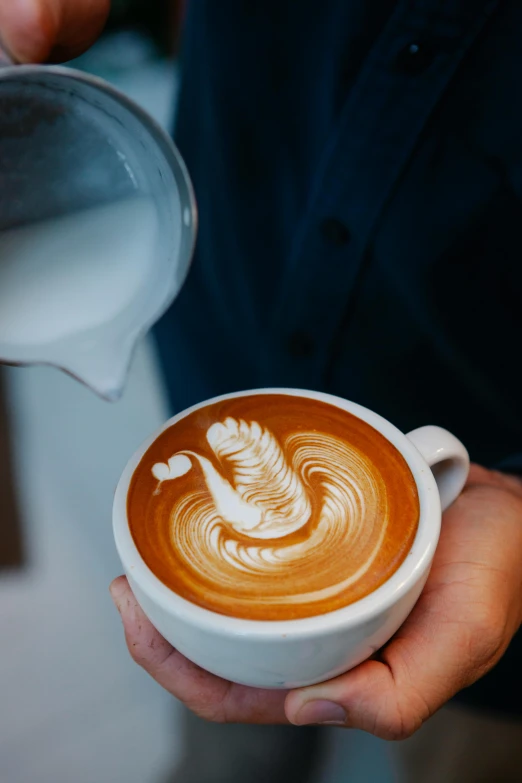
{"points": [[73, 706]]}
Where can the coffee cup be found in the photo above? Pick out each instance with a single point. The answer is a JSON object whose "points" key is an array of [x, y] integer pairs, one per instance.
{"points": [[295, 650]]}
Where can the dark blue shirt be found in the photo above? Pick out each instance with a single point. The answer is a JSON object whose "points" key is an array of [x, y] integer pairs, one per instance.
{"points": [[358, 171]]}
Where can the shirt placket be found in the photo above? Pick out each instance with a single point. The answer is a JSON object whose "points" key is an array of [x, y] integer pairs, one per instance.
{"points": [[400, 84]]}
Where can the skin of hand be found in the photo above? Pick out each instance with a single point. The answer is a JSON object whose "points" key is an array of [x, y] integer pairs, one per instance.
{"points": [[50, 30], [467, 614]]}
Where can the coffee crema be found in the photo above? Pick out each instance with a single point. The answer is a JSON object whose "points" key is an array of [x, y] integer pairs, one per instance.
{"points": [[272, 507]]}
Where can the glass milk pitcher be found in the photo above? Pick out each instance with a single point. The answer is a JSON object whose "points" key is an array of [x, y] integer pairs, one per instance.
{"points": [[97, 224]]}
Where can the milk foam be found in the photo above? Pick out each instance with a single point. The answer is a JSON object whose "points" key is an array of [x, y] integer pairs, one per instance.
{"points": [[267, 497], [63, 276]]}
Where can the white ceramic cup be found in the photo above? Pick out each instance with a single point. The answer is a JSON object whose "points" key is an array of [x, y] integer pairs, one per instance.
{"points": [[293, 653]]}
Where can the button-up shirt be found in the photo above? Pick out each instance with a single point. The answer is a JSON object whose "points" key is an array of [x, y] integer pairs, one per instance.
{"points": [[358, 172]]}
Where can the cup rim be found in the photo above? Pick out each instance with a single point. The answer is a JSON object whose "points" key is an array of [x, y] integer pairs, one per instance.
{"points": [[411, 570]]}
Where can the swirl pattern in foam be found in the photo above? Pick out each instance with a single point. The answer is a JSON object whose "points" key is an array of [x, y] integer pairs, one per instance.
{"points": [[294, 511]]}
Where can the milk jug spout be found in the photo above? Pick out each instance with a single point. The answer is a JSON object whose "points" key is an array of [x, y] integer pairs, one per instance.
{"points": [[102, 367]]}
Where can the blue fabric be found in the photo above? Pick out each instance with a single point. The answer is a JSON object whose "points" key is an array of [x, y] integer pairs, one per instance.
{"points": [[358, 171]]}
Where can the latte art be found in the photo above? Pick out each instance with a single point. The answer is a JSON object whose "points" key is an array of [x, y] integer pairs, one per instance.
{"points": [[267, 499], [267, 519]]}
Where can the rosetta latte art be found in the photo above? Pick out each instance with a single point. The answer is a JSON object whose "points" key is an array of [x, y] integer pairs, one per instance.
{"points": [[272, 507], [271, 496]]}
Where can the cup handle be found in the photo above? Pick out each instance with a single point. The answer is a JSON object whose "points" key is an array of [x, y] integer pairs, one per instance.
{"points": [[447, 458]]}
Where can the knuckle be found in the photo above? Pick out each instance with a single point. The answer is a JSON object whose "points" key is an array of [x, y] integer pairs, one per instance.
{"points": [[403, 726], [218, 716], [216, 708], [401, 721], [142, 649], [396, 728], [399, 732], [209, 712], [488, 634], [138, 653]]}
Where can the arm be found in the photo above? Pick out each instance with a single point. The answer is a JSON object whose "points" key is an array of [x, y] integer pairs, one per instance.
{"points": [[40, 30]]}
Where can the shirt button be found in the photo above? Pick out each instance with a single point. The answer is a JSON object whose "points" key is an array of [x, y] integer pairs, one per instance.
{"points": [[335, 232], [415, 58], [301, 345]]}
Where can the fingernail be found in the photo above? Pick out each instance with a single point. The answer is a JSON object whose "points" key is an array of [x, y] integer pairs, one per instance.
{"points": [[116, 591], [321, 711]]}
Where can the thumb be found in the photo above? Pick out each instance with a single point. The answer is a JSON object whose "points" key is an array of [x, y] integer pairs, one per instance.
{"points": [[430, 659], [367, 698], [40, 30]]}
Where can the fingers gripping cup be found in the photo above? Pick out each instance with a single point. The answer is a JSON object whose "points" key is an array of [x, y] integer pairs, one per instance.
{"points": [[279, 537]]}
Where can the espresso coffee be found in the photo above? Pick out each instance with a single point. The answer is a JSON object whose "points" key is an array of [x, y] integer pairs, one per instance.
{"points": [[272, 507]]}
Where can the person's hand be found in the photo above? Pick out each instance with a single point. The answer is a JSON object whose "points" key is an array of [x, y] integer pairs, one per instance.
{"points": [[50, 30], [470, 609]]}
